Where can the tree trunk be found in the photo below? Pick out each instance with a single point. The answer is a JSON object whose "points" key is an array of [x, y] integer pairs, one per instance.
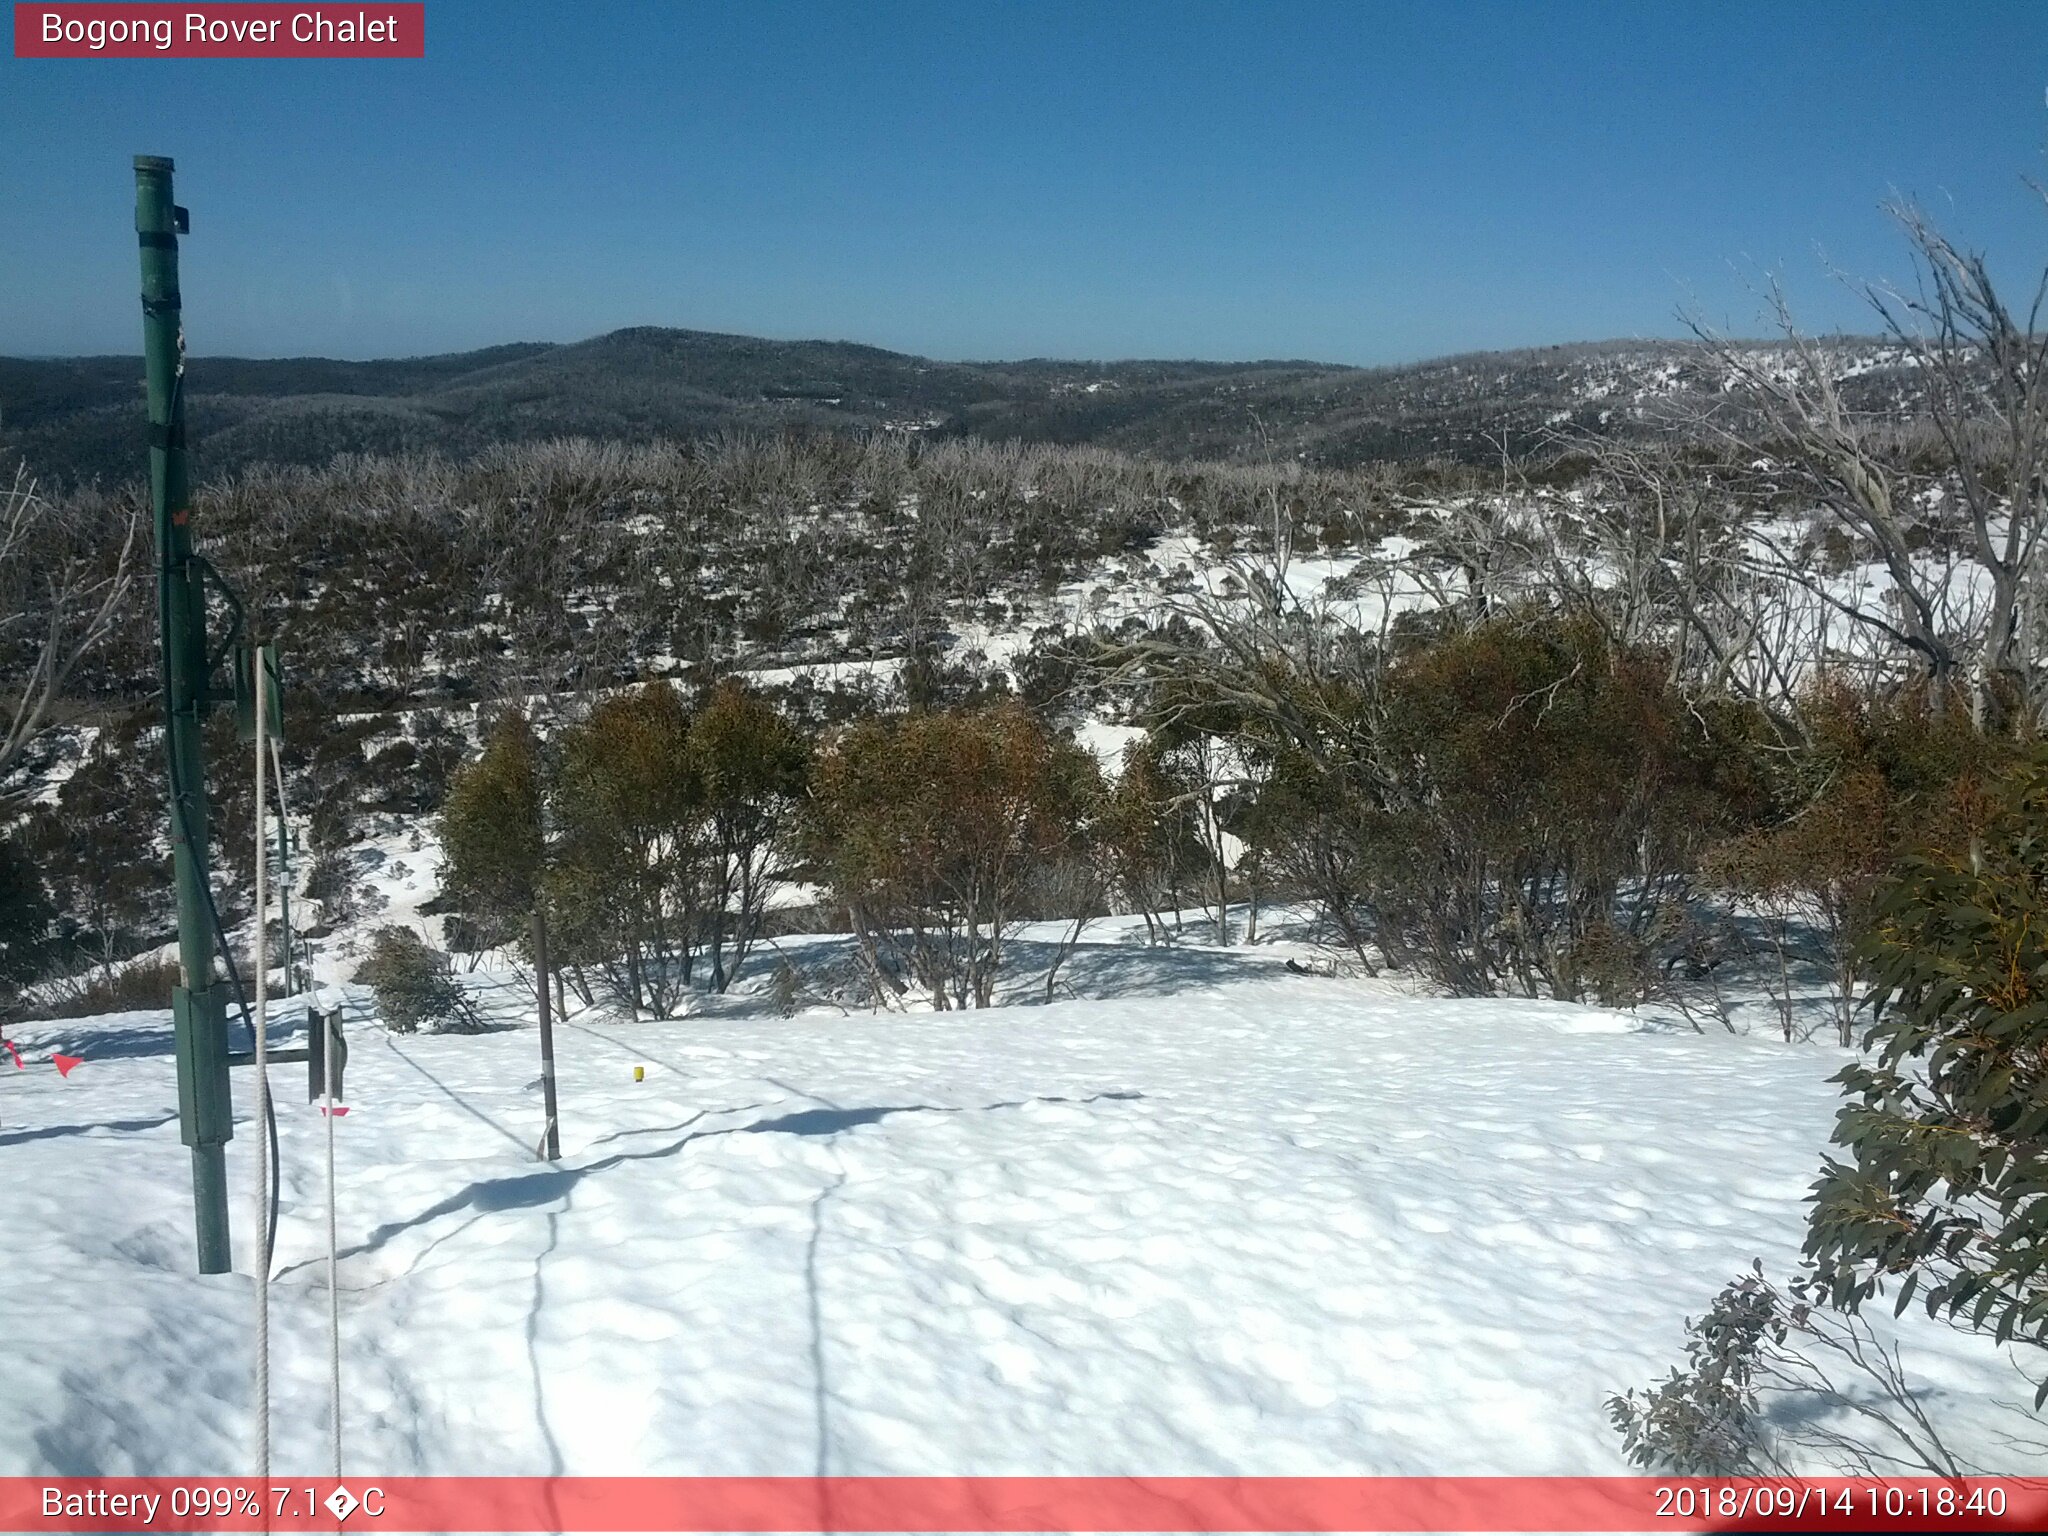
{"points": [[1222, 872], [551, 1138]]}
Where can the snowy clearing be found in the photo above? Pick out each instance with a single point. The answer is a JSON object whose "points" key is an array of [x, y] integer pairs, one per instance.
{"points": [[1254, 1222]]}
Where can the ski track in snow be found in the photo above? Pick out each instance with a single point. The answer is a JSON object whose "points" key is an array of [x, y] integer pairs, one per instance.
{"points": [[1275, 1225]]}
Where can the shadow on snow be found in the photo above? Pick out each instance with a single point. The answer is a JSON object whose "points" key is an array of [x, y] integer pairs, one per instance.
{"points": [[545, 1186]]}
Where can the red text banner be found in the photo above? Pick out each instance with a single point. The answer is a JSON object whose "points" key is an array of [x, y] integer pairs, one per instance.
{"points": [[107, 29], [1019, 1504]]}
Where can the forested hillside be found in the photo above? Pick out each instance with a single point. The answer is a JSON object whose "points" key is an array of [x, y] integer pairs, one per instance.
{"points": [[79, 418]]}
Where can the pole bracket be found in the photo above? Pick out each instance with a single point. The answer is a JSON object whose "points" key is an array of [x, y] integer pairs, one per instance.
{"points": [[199, 1025]]}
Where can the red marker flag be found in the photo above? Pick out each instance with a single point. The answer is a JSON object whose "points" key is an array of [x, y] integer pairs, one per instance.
{"points": [[64, 1063]]}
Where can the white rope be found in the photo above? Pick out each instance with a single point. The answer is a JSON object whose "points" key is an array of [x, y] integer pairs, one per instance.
{"points": [[284, 865], [262, 1023], [327, 1033], [326, 1092], [333, 1289]]}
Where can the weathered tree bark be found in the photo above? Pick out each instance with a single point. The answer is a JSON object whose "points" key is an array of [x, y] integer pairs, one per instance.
{"points": [[551, 1136]]}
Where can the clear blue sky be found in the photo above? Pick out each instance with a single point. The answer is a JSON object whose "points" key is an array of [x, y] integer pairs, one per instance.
{"points": [[1358, 182]]}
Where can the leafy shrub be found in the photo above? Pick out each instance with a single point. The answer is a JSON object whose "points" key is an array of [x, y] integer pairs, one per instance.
{"points": [[413, 984], [123, 989], [1875, 779], [109, 886], [25, 917], [1759, 1349], [1052, 671], [1706, 1420], [331, 882], [1945, 1190], [785, 988], [1532, 807], [672, 833]]}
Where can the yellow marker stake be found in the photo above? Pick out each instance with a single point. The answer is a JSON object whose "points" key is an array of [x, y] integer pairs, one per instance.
{"points": [[639, 1074]]}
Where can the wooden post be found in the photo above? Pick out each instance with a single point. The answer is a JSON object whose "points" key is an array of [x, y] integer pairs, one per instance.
{"points": [[551, 1141]]}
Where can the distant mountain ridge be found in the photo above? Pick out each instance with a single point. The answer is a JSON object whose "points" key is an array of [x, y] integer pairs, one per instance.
{"points": [[73, 419]]}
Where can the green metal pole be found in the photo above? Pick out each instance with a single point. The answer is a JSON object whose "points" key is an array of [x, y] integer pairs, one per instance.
{"points": [[267, 676], [199, 1011], [284, 904]]}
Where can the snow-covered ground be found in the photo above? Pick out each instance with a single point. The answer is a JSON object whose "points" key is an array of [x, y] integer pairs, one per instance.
{"points": [[1208, 1216]]}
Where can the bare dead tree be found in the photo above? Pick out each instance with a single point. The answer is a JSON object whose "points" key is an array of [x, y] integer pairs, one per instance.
{"points": [[1985, 375], [1805, 430], [1244, 642], [1956, 531], [59, 598], [542, 554], [1679, 573]]}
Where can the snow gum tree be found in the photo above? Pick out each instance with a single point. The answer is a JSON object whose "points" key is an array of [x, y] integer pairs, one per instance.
{"points": [[1208, 754], [751, 767], [649, 836], [1149, 851], [630, 801], [931, 828], [492, 833], [1319, 824]]}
